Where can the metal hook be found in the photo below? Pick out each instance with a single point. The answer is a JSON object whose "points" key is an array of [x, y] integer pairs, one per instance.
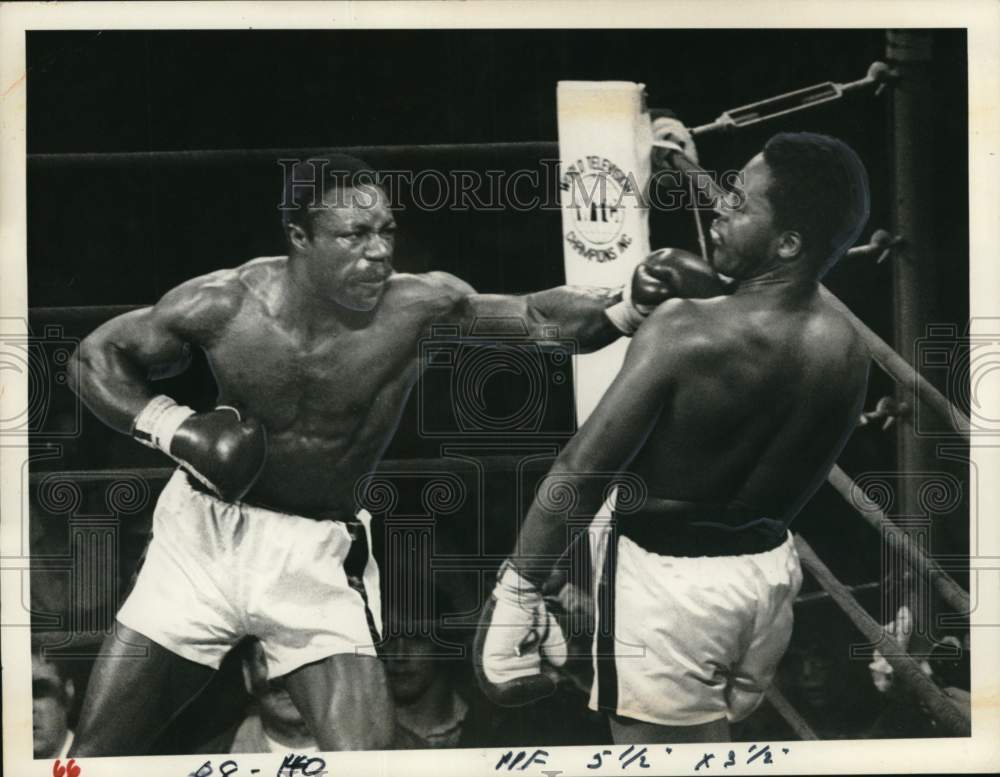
{"points": [[887, 410]]}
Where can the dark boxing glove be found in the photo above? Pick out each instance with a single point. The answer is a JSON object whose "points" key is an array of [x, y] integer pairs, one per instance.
{"points": [[666, 273], [518, 643], [220, 449]]}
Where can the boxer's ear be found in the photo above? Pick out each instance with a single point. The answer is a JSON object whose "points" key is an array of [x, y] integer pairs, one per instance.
{"points": [[297, 236], [789, 245]]}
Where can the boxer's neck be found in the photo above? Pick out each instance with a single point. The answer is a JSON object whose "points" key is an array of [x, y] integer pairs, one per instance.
{"points": [[780, 277], [312, 313]]}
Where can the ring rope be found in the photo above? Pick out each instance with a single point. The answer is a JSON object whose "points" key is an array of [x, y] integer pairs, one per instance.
{"points": [[823, 596], [545, 149], [940, 706], [789, 714], [956, 597], [901, 371]]}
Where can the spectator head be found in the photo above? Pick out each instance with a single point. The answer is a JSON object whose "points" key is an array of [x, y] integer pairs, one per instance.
{"points": [[52, 694], [420, 655], [274, 704], [813, 674], [413, 668]]}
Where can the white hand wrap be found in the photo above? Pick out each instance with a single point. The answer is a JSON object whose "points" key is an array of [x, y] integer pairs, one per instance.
{"points": [[521, 633], [158, 421], [626, 315]]}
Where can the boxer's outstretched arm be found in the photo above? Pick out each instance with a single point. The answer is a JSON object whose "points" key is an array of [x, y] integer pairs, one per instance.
{"points": [[609, 439], [116, 364], [574, 313]]}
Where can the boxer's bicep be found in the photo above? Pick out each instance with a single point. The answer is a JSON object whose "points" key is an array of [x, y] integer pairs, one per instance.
{"points": [[145, 339], [497, 312], [574, 313], [159, 339], [115, 364], [445, 300]]}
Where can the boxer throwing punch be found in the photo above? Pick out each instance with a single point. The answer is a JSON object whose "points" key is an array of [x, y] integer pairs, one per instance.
{"points": [[257, 532], [732, 411]]}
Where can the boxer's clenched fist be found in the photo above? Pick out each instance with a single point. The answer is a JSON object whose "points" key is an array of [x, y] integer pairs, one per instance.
{"points": [[518, 644], [666, 273], [220, 449], [674, 134]]}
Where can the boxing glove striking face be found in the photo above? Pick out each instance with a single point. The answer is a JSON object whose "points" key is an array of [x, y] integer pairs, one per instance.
{"points": [[664, 274]]}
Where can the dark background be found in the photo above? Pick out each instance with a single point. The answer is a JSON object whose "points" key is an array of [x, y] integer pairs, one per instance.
{"points": [[119, 230], [149, 226]]}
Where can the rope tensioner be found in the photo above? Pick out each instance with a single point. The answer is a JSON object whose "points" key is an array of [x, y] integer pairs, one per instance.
{"points": [[879, 75]]}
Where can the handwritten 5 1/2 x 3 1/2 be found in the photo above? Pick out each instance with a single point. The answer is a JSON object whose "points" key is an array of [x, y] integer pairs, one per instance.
{"points": [[635, 757], [632, 757]]}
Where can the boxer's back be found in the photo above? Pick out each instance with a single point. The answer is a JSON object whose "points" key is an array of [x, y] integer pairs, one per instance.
{"points": [[763, 393]]}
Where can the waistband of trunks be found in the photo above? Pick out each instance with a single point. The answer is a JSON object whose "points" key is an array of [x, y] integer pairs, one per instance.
{"points": [[673, 536], [349, 520]]}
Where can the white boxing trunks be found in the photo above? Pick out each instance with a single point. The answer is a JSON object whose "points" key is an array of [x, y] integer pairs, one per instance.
{"points": [[216, 571], [686, 640]]}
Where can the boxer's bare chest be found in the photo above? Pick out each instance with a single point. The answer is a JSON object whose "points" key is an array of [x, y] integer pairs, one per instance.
{"points": [[319, 383]]}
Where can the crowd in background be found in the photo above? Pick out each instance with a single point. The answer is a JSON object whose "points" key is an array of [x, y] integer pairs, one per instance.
{"points": [[438, 702]]}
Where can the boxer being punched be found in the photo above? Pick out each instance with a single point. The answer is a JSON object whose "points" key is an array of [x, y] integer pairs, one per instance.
{"points": [[257, 532], [732, 411]]}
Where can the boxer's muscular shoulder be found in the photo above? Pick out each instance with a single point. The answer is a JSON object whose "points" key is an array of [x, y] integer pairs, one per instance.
{"points": [[836, 345], [432, 294], [833, 331], [686, 330], [201, 308]]}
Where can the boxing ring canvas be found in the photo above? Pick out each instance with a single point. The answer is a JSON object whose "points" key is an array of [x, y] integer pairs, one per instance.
{"points": [[143, 147]]}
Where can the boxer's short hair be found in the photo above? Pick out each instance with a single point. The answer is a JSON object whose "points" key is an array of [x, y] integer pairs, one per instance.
{"points": [[334, 171], [819, 188]]}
